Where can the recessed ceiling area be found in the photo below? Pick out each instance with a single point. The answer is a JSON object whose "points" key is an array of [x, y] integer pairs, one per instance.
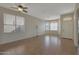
{"points": [[45, 11]]}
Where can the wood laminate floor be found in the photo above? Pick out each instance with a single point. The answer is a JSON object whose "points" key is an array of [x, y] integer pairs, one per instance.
{"points": [[41, 45]]}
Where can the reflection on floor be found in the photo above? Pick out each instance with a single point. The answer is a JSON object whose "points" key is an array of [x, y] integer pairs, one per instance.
{"points": [[41, 45]]}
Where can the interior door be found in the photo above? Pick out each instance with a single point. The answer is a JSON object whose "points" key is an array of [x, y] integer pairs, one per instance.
{"points": [[67, 28]]}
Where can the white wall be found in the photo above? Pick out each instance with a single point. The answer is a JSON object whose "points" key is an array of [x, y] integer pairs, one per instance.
{"points": [[76, 25], [30, 27], [67, 27]]}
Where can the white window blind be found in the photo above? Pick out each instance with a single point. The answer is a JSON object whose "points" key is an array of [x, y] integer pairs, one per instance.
{"points": [[54, 26], [19, 23], [47, 26], [9, 21], [13, 23]]}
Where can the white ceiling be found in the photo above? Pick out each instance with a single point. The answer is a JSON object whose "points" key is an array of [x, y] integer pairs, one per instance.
{"points": [[45, 11]]}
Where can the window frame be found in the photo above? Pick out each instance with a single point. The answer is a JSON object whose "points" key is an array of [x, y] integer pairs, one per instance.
{"points": [[14, 23]]}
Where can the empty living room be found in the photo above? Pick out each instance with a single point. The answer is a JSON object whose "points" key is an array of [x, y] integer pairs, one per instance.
{"points": [[39, 28]]}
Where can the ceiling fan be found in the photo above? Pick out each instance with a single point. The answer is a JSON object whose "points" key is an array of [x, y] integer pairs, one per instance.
{"points": [[21, 8]]}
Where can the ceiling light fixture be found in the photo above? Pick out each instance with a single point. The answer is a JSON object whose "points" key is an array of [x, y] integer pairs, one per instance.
{"points": [[20, 9]]}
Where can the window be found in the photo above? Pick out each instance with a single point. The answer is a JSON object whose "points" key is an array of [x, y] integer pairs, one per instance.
{"points": [[54, 26], [13, 23], [51, 26], [47, 26], [9, 21], [19, 23]]}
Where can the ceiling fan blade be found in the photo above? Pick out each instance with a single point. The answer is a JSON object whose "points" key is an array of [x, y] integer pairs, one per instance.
{"points": [[20, 6], [25, 11], [25, 8]]}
